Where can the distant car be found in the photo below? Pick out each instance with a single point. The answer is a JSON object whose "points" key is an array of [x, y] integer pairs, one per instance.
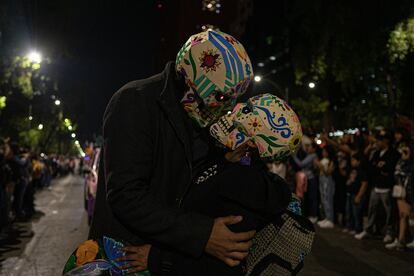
{"points": [[91, 182]]}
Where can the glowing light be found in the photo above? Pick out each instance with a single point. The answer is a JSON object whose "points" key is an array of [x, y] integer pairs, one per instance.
{"points": [[34, 57], [42, 155], [318, 141], [70, 127], [257, 78], [30, 118], [73, 135], [40, 126], [57, 102], [311, 85], [260, 64], [77, 142], [272, 58]]}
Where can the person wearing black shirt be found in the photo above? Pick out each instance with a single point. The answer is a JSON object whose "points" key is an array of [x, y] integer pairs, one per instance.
{"points": [[383, 167], [356, 187]]}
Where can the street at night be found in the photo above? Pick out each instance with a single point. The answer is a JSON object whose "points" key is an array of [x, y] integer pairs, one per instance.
{"points": [[42, 246], [206, 137]]}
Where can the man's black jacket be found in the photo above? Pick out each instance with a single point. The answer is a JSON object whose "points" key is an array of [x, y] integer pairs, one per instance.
{"points": [[147, 169], [383, 177]]}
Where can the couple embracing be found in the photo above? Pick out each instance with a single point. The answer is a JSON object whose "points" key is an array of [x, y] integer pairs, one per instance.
{"points": [[183, 187]]}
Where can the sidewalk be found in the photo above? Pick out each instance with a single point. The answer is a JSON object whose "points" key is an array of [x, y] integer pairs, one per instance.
{"points": [[42, 246]]}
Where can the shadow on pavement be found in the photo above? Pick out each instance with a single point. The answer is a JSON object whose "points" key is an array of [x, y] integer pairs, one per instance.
{"points": [[15, 239]]}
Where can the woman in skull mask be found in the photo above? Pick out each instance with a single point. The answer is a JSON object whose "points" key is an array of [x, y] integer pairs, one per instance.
{"points": [[262, 129]]}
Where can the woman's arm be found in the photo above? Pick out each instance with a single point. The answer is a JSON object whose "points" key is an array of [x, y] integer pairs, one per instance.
{"points": [[305, 162]]}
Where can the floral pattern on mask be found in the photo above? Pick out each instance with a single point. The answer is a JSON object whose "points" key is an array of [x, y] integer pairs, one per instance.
{"points": [[267, 121], [217, 70]]}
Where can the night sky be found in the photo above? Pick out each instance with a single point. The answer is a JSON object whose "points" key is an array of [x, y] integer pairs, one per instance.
{"points": [[96, 46]]}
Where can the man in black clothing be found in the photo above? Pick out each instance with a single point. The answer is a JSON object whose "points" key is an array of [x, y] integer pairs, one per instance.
{"points": [[383, 167], [151, 153]]}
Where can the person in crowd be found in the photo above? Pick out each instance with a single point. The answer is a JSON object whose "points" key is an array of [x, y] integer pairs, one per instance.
{"points": [[401, 136], [326, 166], [343, 148], [383, 167], [403, 191], [278, 167], [5, 187], [307, 165], [356, 195]]}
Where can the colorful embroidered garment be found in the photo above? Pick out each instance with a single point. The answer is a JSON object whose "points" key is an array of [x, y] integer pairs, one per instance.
{"points": [[97, 257], [217, 70], [267, 121]]}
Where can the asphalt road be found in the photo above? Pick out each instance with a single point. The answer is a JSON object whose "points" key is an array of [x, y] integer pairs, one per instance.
{"points": [[42, 246]]}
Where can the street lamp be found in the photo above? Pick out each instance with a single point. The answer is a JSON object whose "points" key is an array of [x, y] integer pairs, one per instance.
{"points": [[311, 84], [30, 118], [40, 127], [34, 57], [73, 135], [70, 127], [57, 102], [257, 78]]}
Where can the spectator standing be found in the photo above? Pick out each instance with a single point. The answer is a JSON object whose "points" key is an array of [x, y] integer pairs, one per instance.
{"points": [[356, 190], [307, 166], [403, 191], [383, 167], [327, 186]]}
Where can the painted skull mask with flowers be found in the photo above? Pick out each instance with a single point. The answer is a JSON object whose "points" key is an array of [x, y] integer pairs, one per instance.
{"points": [[217, 70], [267, 121]]}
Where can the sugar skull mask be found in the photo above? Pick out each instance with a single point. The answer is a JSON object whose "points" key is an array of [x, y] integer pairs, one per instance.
{"points": [[217, 70], [267, 121]]}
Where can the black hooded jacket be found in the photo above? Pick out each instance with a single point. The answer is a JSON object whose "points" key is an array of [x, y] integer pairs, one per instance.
{"points": [[147, 169]]}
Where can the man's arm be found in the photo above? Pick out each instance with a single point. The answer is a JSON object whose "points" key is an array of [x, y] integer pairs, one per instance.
{"points": [[128, 155]]}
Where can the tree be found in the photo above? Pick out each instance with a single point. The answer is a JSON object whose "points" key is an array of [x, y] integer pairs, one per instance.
{"points": [[310, 111]]}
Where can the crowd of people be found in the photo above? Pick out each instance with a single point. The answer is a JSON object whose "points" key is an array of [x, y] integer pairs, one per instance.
{"points": [[342, 180], [22, 173]]}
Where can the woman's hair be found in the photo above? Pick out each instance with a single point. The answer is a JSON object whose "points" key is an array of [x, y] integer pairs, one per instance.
{"points": [[331, 152]]}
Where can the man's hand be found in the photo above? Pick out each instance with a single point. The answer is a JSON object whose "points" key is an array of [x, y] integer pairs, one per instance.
{"points": [[227, 246], [136, 257]]}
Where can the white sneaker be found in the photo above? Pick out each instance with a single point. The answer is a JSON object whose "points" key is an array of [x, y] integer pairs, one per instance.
{"points": [[410, 245], [392, 245], [387, 239], [327, 225], [321, 222], [313, 219], [361, 235]]}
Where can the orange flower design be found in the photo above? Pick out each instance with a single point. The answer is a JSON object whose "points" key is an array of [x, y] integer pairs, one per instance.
{"points": [[86, 252], [255, 124]]}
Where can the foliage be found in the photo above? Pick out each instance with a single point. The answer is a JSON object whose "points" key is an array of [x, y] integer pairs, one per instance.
{"points": [[310, 111], [16, 76], [2, 102], [401, 41]]}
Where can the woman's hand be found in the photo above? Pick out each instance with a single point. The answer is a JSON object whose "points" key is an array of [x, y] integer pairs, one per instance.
{"points": [[136, 258]]}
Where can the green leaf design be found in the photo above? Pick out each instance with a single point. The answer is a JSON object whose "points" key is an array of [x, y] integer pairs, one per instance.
{"points": [[269, 140], [70, 264], [193, 65], [186, 61]]}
